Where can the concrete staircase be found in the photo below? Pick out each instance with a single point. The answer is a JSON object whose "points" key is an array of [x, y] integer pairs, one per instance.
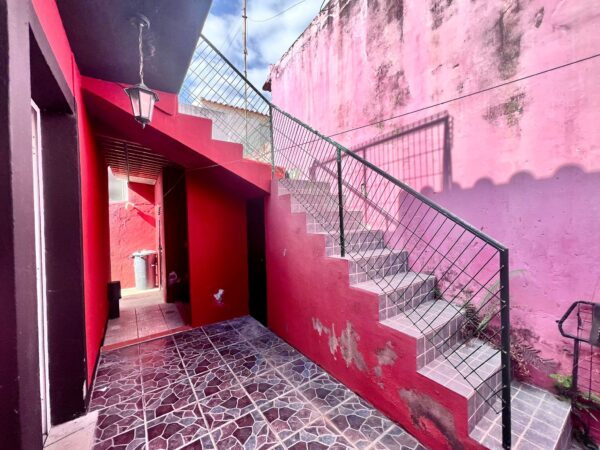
{"points": [[408, 305]]}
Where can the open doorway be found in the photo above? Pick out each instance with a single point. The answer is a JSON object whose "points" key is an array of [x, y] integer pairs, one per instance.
{"points": [[140, 228]]}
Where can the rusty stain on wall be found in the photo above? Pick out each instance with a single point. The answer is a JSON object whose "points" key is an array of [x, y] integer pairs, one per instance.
{"points": [[424, 409], [512, 110]]}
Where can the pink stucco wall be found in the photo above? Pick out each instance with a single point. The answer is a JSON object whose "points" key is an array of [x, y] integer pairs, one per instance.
{"points": [[131, 230], [525, 157]]}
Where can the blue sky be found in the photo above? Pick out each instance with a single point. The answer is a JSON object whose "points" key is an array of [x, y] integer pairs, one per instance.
{"points": [[267, 40]]}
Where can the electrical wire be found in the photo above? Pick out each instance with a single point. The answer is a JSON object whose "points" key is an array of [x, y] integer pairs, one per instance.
{"points": [[278, 14]]}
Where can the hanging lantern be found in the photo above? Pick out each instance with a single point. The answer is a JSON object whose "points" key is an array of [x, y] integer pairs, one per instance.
{"points": [[142, 98]]}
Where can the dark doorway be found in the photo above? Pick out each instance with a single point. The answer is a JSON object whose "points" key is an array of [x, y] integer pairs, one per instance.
{"points": [[175, 224], [257, 269]]}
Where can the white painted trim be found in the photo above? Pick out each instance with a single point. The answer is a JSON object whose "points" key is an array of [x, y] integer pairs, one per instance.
{"points": [[40, 264]]}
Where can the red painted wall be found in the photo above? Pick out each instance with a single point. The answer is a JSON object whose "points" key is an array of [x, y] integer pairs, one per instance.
{"points": [[94, 191], [218, 252], [131, 231]]}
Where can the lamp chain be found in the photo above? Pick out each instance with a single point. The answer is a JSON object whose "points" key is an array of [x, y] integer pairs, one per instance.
{"points": [[141, 54]]}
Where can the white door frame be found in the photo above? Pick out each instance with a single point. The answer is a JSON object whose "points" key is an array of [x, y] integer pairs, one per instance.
{"points": [[40, 261]]}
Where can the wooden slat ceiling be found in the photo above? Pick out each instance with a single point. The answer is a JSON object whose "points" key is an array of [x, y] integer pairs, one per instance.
{"points": [[142, 161]]}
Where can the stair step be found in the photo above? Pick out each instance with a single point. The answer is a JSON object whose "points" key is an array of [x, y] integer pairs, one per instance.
{"points": [[400, 291], [289, 186], [372, 264], [359, 240], [472, 370], [434, 324], [540, 420]]}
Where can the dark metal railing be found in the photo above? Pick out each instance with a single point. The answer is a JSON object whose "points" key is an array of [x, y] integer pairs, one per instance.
{"points": [[436, 273]]}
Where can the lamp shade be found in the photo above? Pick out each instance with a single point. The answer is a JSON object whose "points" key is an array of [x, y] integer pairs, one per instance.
{"points": [[142, 102]]}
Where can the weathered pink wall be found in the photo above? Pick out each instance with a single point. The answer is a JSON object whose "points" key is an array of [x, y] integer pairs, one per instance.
{"points": [[131, 231], [525, 157]]}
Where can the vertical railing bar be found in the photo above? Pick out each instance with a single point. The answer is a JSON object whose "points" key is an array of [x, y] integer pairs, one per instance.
{"points": [[341, 202], [505, 355]]}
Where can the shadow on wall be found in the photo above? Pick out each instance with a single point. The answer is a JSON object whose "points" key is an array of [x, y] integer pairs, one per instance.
{"points": [[551, 228]]}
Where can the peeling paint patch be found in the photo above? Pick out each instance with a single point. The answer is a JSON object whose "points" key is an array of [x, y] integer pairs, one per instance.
{"points": [[539, 17], [333, 341], [508, 36], [512, 110], [439, 12], [318, 326], [349, 348], [386, 356], [426, 412]]}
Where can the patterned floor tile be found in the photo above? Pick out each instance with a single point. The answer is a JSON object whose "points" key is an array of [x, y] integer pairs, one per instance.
{"points": [[191, 350], [289, 413], [236, 351], [300, 371], [397, 438], [167, 357], [266, 341], [164, 401], [200, 444], [252, 330], [117, 419], [203, 362], [318, 435], [249, 432], [113, 394], [281, 354], [193, 339], [224, 406], [266, 387], [162, 377], [177, 428], [133, 439], [249, 367], [225, 339], [326, 393], [359, 421], [217, 328], [125, 355], [118, 373], [156, 345], [213, 381]]}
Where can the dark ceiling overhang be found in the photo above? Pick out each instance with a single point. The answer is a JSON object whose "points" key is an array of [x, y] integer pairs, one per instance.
{"points": [[106, 44]]}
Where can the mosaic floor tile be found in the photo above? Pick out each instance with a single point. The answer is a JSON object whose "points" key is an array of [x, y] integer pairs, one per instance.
{"points": [[164, 401], [196, 340], [118, 373], [281, 354], [300, 371], [249, 367], [397, 438], [224, 406], [113, 394], [288, 413], [161, 377], [167, 357], [266, 387], [213, 381], [117, 419], [252, 330], [133, 439], [177, 428], [249, 432], [156, 345], [191, 350], [360, 423], [225, 339], [326, 393], [127, 355], [203, 443], [217, 328], [318, 435], [203, 362], [236, 351], [266, 341]]}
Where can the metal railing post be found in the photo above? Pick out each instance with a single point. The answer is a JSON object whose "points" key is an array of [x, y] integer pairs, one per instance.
{"points": [[505, 353], [340, 202], [272, 141]]}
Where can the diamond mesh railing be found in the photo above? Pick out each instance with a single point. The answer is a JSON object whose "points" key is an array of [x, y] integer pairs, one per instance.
{"points": [[435, 273], [215, 89]]}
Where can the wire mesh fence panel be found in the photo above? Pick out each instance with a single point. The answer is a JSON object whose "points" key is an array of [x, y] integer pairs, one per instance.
{"points": [[214, 89]]}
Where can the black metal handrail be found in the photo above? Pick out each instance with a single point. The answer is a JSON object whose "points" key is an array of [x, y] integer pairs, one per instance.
{"points": [[460, 271]]}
